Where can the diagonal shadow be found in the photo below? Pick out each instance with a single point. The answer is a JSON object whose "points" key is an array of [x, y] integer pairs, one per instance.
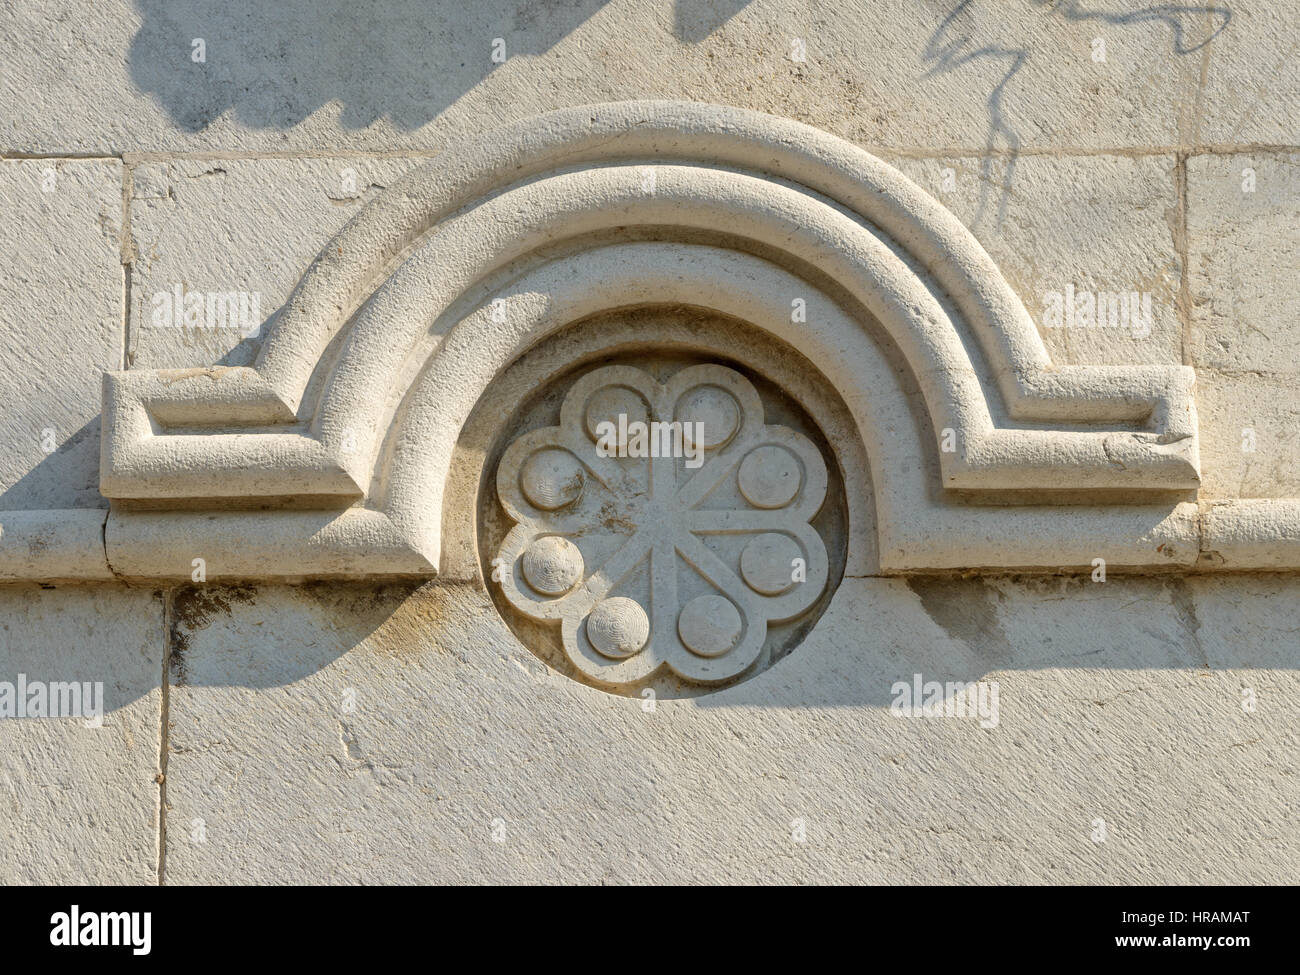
{"points": [[952, 47], [272, 65], [694, 20], [876, 633], [68, 477]]}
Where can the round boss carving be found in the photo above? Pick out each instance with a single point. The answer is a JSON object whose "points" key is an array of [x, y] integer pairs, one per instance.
{"points": [[618, 627], [552, 478], [552, 565]]}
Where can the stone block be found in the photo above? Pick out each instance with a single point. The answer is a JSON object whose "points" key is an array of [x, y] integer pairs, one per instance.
{"points": [[397, 736], [61, 316], [81, 801], [219, 245]]}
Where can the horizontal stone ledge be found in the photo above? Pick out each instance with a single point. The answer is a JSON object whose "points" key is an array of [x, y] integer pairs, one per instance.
{"points": [[994, 539], [61, 545], [286, 545], [1250, 533], [53, 545]]}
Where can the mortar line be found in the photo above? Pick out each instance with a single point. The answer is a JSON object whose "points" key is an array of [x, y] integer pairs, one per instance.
{"points": [[1183, 248], [126, 254], [18, 155], [103, 540], [919, 152], [1128, 152], [126, 311], [910, 152], [217, 155], [1201, 550], [164, 737]]}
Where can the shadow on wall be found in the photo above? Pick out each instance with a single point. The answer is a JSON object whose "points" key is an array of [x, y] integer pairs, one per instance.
{"points": [[877, 632], [68, 476], [272, 65], [963, 38]]}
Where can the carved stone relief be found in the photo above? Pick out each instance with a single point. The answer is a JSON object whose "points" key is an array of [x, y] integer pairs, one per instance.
{"points": [[665, 528], [330, 456]]}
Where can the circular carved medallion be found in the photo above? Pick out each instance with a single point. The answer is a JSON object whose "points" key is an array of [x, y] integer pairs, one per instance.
{"points": [[662, 525]]}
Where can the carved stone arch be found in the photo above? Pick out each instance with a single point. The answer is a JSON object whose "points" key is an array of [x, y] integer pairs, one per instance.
{"points": [[356, 399]]}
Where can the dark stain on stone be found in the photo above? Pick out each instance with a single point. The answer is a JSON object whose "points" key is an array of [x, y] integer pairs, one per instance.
{"points": [[361, 601], [966, 609], [437, 616], [193, 608], [37, 544], [615, 521], [389, 617]]}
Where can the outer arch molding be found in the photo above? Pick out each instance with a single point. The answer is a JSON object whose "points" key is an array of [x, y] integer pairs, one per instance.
{"points": [[408, 285]]}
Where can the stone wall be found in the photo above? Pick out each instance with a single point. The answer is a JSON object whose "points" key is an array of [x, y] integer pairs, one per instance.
{"points": [[290, 288]]}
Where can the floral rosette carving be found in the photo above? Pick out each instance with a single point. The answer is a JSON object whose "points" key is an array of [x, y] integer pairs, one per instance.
{"points": [[662, 562]]}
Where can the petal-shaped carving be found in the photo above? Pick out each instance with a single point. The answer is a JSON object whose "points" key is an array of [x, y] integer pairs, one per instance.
{"points": [[617, 547]]}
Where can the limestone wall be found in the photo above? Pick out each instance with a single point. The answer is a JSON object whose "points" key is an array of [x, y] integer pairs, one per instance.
{"points": [[293, 293]]}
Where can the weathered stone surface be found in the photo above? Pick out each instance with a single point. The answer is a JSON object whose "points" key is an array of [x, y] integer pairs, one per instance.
{"points": [[1244, 246], [1086, 225], [388, 738], [81, 803], [1250, 434], [1005, 77], [1244, 339], [1248, 626], [61, 315], [236, 233], [418, 730], [1250, 92]]}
